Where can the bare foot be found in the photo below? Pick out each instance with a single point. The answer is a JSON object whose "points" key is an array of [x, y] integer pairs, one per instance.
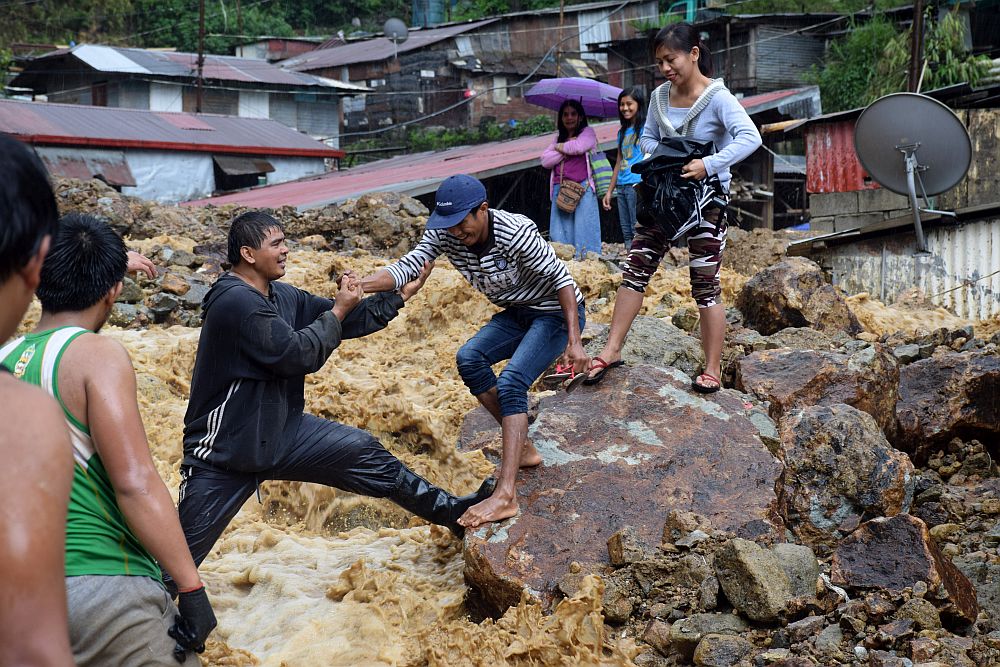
{"points": [[495, 508], [609, 358], [530, 456]]}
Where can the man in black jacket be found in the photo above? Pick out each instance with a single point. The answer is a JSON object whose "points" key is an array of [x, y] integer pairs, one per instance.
{"points": [[245, 422]]}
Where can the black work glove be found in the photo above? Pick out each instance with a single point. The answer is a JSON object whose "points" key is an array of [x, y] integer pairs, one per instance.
{"points": [[194, 623]]}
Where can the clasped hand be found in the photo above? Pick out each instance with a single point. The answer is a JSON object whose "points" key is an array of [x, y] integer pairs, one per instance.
{"points": [[349, 290]]}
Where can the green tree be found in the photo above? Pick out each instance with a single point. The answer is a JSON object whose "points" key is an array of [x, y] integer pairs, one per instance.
{"points": [[873, 60]]}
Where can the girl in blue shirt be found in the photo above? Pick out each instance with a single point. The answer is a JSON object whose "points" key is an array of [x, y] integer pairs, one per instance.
{"points": [[631, 106]]}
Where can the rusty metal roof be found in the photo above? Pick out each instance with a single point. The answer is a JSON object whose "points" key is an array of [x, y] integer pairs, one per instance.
{"points": [[413, 174], [46, 123], [375, 49], [174, 64]]}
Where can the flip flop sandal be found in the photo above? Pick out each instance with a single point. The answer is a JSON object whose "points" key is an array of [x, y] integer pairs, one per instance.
{"points": [[604, 368], [706, 389], [562, 373], [572, 384]]}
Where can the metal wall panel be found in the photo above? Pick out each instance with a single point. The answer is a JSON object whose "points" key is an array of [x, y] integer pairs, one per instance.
{"points": [[831, 163], [955, 275], [781, 63]]}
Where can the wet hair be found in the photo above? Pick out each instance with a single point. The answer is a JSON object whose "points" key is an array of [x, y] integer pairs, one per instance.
{"points": [[563, 132], [639, 95], [28, 210], [86, 260], [685, 37], [249, 229]]}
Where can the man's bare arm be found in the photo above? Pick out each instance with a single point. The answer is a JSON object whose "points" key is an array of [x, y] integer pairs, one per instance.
{"points": [[38, 467], [120, 439]]}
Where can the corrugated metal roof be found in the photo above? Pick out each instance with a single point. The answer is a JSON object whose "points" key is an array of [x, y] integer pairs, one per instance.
{"points": [[780, 98], [184, 65], [75, 125], [413, 174], [378, 48]]}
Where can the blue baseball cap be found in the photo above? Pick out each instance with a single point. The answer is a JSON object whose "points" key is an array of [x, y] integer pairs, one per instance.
{"points": [[456, 197]]}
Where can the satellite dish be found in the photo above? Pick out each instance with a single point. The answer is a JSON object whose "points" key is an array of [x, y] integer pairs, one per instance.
{"points": [[908, 141], [395, 30]]}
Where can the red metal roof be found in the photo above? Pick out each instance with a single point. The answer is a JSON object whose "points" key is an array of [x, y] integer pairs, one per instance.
{"points": [[421, 173], [413, 174], [75, 125]]}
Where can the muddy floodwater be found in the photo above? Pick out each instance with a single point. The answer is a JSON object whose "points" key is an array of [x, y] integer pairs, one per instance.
{"points": [[314, 576]]}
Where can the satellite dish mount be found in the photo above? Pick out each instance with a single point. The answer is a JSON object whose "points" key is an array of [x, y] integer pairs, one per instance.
{"points": [[908, 123], [396, 31]]}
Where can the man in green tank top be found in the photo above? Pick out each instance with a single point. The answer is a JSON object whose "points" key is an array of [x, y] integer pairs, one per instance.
{"points": [[34, 446], [122, 525]]}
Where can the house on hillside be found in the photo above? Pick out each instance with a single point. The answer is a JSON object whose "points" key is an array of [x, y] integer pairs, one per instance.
{"points": [[165, 156], [273, 49], [461, 73], [109, 76]]}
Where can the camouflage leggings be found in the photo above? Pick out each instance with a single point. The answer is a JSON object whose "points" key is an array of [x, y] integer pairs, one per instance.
{"points": [[705, 246]]}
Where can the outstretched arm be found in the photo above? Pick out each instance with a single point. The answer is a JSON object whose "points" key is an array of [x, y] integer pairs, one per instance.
{"points": [[38, 462]]}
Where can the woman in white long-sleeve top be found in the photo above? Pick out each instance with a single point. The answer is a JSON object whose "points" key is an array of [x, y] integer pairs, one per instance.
{"points": [[568, 156], [694, 105]]}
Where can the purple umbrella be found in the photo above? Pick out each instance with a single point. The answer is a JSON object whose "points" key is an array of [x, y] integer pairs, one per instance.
{"points": [[598, 99]]}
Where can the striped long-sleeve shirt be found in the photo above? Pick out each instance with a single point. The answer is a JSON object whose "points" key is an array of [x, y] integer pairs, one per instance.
{"points": [[516, 268]]}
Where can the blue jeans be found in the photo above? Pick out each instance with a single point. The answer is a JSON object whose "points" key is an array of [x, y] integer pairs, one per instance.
{"points": [[531, 339], [581, 228], [625, 196]]}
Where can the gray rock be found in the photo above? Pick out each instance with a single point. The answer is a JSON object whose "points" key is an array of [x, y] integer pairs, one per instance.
{"points": [[805, 628], [194, 296], [131, 292], [162, 304], [123, 314], [687, 633], [708, 593], [721, 650], [692, 538], [183, 258], [924, 615], [413, 207], [800, 565], [752, 579], [828, 641], [906, 354], [656, 342], [615, 603]]}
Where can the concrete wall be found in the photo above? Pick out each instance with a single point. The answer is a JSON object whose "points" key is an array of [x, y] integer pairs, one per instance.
{"points": [[838, 211]]}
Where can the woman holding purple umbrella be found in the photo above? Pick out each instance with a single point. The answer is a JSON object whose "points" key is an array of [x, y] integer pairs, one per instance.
{"points": [[568, 158]]}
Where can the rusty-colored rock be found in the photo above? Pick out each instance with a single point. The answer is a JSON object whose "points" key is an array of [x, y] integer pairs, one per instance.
{"points": [[950, 395], [626, 453], [625, 547], [839, 468], [794, 293], [793, 379], [894, 553], [174, 284]]}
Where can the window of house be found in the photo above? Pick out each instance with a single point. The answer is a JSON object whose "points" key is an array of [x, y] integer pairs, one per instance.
{"points": [[500, 95]]}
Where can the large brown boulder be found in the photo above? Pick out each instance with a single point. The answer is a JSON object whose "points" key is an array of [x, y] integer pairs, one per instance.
{"points": [[626, 453], [793, 379], [952, 394], [895, 553], [794, 293], [839, 469]]}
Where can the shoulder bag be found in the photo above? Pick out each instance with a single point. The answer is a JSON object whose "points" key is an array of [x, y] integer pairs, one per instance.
{"points": [[570, 192]]}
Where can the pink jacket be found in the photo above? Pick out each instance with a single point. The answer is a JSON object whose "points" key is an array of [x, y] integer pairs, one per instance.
{"points": [[582, 144]]}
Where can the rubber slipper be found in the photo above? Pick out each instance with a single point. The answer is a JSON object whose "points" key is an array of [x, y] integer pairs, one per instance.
{"points": [[572, 384], [704, 388], [604, 368], [562, 373]]}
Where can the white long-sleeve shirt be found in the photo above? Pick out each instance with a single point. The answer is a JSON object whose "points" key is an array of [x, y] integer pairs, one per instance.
{"points": [[724, 121], [516, 267]]}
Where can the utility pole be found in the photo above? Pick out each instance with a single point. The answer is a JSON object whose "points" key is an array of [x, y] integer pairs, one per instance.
{"points": [[201, 54], [239, 17], [916, 47], [562, 6]]}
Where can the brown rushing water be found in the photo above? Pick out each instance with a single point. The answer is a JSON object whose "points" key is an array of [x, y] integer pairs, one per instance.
{"points": [[290, 588]]}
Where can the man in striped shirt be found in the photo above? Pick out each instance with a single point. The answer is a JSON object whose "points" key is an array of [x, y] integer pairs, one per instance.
{"points": [[505, 257]]}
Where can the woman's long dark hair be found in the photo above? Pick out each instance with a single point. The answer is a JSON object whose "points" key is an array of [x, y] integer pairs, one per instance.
{"points": [[563, 132], [638, 120], [684, 37]]}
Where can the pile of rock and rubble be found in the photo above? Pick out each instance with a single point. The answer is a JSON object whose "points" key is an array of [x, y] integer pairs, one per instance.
{"points": [[837, 504]]}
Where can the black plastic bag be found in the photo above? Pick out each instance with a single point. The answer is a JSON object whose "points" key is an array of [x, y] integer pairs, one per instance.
{"points": [[666, 199]]}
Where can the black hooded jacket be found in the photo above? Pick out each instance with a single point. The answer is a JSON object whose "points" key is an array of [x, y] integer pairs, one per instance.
{"points": [[249, 374]]}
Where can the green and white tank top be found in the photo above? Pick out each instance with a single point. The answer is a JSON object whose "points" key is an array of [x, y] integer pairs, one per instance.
{"points": [[98, 540]]}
